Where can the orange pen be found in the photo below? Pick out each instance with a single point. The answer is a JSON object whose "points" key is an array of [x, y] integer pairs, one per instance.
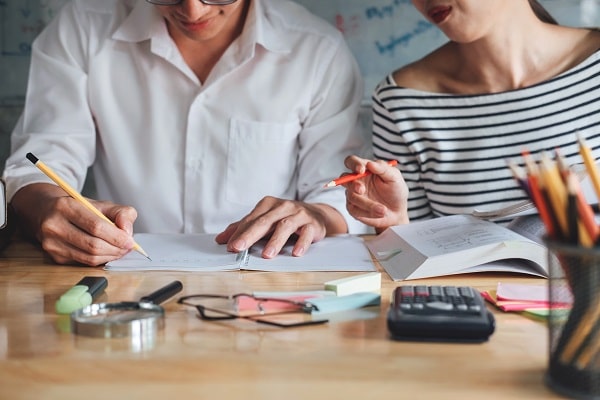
{"points": [[352, 177]]}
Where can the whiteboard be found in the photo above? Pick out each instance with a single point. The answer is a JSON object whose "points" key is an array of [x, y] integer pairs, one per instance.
{"points": [[20, 22], [382, 34]]}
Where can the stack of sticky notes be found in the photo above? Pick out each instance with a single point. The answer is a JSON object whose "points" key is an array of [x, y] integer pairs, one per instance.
{"points": [[350, 293], [530, 299], [369, 282]]}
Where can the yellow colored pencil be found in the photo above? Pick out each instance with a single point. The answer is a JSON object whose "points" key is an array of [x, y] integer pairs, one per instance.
{"points": [[590, 164], [76, 195]]}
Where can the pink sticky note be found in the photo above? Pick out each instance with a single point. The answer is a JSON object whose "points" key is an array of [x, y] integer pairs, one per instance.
{"points": [[529, 293]]}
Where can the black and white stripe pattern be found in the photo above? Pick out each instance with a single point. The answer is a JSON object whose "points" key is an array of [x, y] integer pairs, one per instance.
{"points": [[452, 149]]}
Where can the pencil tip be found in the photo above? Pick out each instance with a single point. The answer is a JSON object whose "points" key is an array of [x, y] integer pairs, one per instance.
{"points": [[329, 184]]}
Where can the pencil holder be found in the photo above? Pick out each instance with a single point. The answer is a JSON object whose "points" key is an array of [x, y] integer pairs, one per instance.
{"points": [[574, 320]]}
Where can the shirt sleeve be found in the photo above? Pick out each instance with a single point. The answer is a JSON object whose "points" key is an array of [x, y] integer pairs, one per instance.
{"points": [[331, 132]]}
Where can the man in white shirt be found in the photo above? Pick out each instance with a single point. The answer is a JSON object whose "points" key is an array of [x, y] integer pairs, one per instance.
{"points": [[193, 114]]}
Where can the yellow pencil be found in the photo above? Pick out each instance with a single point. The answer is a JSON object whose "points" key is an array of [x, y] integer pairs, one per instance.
{"points": [[590, 164], [74, 194]]}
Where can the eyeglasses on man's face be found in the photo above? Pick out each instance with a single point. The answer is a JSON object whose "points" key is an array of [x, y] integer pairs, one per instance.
{"points": [[207, 2]]}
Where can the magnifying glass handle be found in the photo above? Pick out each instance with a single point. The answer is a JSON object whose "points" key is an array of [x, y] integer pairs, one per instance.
{"points": [[163, 293]]}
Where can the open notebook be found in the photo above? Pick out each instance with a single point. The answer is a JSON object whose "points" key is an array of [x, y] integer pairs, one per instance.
{"points": [[200, 252]]}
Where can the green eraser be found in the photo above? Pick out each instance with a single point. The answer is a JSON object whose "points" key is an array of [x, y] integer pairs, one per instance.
{"points": [[353, 301], [370, 282], [75, 298]]}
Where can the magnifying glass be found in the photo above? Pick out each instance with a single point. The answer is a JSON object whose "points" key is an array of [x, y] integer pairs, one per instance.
{"points": [[139, 320]]}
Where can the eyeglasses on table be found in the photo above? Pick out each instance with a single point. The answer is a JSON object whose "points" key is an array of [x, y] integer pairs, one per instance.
{"points": [[279, 312]]}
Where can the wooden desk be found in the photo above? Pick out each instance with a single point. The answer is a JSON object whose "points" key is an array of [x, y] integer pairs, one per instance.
{"points": [[196, 359]]}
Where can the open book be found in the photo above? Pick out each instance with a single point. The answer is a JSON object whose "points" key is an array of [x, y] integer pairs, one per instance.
{"points": [[200, 252], [461, 244]]}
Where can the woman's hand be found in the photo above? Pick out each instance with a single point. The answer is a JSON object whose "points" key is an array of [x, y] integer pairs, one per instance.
{"points": [[379, 199]]}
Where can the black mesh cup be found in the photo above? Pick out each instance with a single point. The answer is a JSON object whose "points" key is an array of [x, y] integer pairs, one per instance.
{"points": [[574, 320]]}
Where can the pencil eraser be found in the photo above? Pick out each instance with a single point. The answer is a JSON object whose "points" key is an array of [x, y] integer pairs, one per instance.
{"points": [[370, 282]]}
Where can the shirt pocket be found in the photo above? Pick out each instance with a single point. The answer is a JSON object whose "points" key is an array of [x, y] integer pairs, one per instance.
{"points": [[261, 160]]}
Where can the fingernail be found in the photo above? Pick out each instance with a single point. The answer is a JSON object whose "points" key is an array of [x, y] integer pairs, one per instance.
{"points": [[239, 245], [298, 251], [269, 252]]}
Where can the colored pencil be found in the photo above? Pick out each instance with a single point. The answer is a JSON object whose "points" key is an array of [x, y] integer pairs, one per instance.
{"points": [[538, 196], [590, 164], [352, 177]]}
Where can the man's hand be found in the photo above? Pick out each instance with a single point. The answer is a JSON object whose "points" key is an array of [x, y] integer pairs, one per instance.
{"points": [[71, 233], [279, 219]]}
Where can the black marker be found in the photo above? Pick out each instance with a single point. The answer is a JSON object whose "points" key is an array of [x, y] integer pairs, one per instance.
{"points": [[163, 293]]}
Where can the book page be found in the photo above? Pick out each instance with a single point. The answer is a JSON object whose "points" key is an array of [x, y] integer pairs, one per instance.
{"points": [[530, 226], [445, 235], [335, 253], [510, 265], [177, 252]]}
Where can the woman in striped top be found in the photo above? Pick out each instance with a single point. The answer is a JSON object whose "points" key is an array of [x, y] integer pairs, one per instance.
{"points": [[509, 79]]}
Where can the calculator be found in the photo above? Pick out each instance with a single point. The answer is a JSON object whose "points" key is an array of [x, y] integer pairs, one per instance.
{"points": [[439, 313]]}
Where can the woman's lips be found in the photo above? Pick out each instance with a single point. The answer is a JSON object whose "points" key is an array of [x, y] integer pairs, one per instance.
{"points": [[439, 14]]}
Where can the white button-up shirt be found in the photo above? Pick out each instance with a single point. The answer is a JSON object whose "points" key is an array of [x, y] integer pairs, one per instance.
{"points": [[108, 88]]}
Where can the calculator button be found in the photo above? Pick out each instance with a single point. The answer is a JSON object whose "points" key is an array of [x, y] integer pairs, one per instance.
{"points": [[466, 292], [440, 305], [421, 291], [407, 291]]}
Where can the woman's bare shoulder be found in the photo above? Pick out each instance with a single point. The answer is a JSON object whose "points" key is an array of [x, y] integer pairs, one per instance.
{"points": [[424, 74], [595, 37]]}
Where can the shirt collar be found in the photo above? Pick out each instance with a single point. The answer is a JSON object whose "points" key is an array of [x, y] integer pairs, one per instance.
{"points": [[259, 28], [143, 23]]}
